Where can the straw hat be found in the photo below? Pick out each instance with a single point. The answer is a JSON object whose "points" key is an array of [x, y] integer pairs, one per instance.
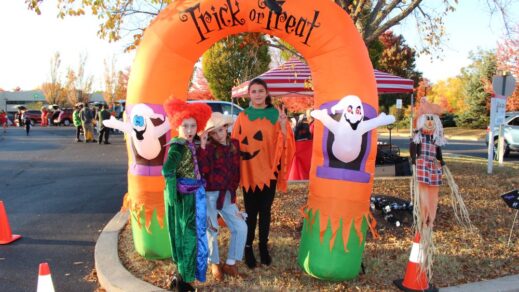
{"points": [[218, 120], [426, 107]]}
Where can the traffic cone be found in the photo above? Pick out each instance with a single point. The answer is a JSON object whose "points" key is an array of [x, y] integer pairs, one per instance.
{"points": [[44, 279], [6, 236], [415, 278]]}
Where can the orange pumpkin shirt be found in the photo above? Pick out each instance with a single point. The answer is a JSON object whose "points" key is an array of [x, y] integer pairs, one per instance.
{"points": [[263, 148]]}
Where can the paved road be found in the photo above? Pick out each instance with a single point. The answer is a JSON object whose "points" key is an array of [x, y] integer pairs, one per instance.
{"points": [[59, 195], [471, 148]]}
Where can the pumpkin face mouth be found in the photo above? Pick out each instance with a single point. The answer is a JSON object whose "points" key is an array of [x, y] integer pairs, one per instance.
{"points": [[248, 155]]}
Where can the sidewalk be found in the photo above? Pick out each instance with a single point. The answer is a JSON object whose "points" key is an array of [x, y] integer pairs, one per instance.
{"points": [[114, 277]]}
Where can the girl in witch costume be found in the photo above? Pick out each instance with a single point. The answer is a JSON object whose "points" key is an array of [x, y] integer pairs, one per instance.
{"points": [[267, 148], [184, 194]]}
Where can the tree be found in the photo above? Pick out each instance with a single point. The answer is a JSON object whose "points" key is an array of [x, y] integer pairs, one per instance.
{"points": [[122, 84], [397, 58], [233, 60], [83, 82], [507, 56], [478, 79], [372, 18], [450, 94], [52, 88], [78, 85], [70, 87], [115, 83], [110, 81]]}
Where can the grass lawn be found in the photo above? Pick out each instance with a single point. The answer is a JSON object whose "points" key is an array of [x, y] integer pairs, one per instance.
{"points": [[460, 257]]}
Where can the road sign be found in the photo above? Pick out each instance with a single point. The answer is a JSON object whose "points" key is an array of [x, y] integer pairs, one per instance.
{"points": [[497, 111], [503, 85], [399, 103]]}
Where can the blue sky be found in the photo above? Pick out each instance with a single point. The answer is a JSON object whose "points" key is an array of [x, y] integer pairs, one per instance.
{"points": [[29, 41]]}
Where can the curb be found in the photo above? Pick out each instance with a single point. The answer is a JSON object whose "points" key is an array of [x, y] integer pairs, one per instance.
{"points": [[448, 137], [112, 275], [504, 284]]}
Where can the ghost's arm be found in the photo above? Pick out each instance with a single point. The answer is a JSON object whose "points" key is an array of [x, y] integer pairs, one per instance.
{"points": [[161, 129], [322, 115], [381, 120], [116, 124]]}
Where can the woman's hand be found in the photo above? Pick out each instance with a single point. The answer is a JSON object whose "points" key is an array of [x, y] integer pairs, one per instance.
{"points": [[282, 118], [203, 139]]}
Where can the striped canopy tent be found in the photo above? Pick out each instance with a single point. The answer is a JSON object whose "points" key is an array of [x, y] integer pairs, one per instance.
{"points": [[293, 78]]}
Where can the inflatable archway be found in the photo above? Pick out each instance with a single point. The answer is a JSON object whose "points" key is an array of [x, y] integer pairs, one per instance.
{"points": [[337, 213]]}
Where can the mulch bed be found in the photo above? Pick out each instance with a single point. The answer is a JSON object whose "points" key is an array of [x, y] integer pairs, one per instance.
{"points": [[461, 257]]}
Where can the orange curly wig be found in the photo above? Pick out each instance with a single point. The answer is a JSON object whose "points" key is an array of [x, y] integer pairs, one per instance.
{"points": [[179, 110]]}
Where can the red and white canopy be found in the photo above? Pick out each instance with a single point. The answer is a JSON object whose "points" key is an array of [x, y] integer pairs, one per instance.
{"points": [[293, 78]]}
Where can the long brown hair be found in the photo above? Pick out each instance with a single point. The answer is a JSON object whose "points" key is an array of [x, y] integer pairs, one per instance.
{"points": [[261, 82]]}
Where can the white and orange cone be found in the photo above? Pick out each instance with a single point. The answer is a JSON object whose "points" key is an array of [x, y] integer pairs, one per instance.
{"points": [[415, 278], [45, 279]]}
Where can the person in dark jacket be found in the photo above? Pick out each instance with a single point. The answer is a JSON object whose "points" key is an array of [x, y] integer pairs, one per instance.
{"points": [[102, 115]]}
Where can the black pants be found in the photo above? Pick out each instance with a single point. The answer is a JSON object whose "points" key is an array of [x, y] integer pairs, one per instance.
{"points": [[27, 128], [106, 132], [78, 131], [259, 202]]}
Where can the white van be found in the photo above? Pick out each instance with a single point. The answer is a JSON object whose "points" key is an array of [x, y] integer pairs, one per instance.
{"points": [[224, 107]]}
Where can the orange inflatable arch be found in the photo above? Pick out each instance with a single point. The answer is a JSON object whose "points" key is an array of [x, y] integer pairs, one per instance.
{"points": [[337, 214]]}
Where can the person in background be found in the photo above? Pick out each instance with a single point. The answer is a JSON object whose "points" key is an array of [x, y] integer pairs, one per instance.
{"points": [[44, 114], [86, 120], [77, 121], [27, 122], [103, 114], [3, 120]]}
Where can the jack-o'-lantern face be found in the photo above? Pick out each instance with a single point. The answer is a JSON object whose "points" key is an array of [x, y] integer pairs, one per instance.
{"points": [[250, 145]]}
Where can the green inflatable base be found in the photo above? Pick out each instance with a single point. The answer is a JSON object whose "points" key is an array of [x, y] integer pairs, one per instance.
{"points": [[153, 245], [316, 258]]}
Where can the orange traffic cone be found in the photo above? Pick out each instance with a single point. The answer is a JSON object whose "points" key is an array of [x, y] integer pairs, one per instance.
{"points": [[415, 278], [44, 279], [6, 236]]}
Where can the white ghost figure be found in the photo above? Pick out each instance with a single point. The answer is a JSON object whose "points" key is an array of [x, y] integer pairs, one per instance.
{"points": [[144, 134], [349, 129]]}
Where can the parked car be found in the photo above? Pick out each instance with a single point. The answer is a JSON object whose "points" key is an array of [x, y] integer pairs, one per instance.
{"points": [[34, 115], [510, 133], [66, 118]]}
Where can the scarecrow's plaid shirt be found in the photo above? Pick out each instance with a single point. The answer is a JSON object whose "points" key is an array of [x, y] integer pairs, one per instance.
{"points": [[220, 167]]}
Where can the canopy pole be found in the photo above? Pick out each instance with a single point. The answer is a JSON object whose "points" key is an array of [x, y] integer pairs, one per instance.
{"points": [[412, 114]]}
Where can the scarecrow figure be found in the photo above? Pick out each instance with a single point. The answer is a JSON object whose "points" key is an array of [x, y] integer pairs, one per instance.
{"points": [[429, 167]]}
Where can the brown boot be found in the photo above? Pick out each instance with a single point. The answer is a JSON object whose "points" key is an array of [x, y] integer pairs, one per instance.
{"points": [[232, 270], [217, 272]]}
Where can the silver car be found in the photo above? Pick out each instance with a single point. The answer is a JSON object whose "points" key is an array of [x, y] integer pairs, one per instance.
{"points": [[510, 133]]}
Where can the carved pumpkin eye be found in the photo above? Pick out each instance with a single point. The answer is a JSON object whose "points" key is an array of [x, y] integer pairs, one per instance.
{"points": [[258, 136], [239, 130]]}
